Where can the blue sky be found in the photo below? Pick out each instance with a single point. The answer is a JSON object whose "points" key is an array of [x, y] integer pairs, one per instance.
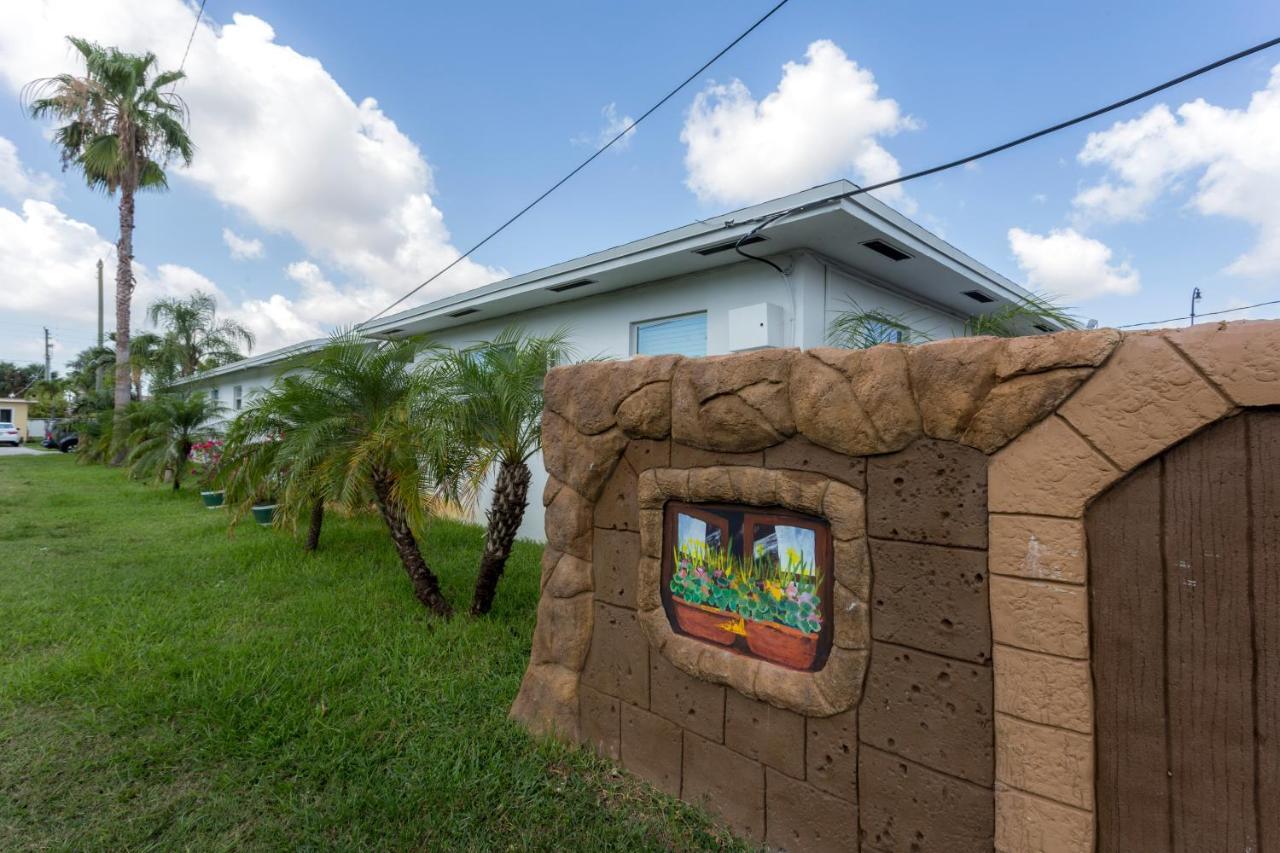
{"points": [[501, 98]]}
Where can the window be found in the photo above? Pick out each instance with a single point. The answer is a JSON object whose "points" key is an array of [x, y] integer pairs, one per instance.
{"points": [[683, 335], [236, 399], [757, 581], [6, 416], [214, 396]]}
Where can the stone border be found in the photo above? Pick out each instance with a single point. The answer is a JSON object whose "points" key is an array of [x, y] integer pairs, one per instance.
{"points": [[1157, 389], [838, 685]]}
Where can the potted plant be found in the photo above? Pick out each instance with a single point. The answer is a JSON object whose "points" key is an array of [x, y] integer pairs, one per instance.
{"points": [[206, 458], [782, 612], [705, 586], [264, 504]]}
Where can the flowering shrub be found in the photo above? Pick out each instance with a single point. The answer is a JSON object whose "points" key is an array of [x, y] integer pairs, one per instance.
{"points": [[206, 458], [763, 590]]}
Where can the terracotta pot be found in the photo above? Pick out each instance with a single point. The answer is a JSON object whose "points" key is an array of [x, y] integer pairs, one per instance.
{"points": [[781, 644], [703, 622]]}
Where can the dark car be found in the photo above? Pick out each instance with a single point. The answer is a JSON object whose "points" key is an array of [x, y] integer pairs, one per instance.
{"points": [[57, 434]]}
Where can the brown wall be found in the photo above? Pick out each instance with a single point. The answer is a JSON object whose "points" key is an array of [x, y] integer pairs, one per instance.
{"points": [[957, 710]]}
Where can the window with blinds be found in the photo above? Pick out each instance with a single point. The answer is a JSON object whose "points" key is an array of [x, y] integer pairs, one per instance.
{"points": [[683, 335]]}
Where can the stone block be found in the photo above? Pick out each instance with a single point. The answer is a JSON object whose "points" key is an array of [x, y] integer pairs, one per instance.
{"points": [[652, 748], [845, 508], [1146, 398], [1242, 358], [802, 818], [950, 379], [733, 403], [615, 555], [547, 704], [1049, 470], [618, 506], [799, 454], [1026, 823], [764, 733], [689, 702], [581, 462], [1040, 616], [569, 576], [618, 661], [1041, 353], [828, 412], [684, 456], [831, 754], [1015, 404], [1044, 689], [853, 566], [589, 394], [563, 631], [933, 491], [1036, 547], [646, 413], [642, 454], [851, 627], [906, 806], [801, 491], [568, 523], [931, 597], [600, 724], [1044, 760], [726, 784], [932, 710]]}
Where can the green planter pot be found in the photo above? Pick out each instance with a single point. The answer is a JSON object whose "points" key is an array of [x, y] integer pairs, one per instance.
{"points": [[264, 514], [213, 500]]}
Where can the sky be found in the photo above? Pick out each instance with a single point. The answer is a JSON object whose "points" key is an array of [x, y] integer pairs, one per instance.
{"points": [[345, 152]]}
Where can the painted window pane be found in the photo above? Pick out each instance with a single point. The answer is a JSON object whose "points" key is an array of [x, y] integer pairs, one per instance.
{"points": [[685, 335]]}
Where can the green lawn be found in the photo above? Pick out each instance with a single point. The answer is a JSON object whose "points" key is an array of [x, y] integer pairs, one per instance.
{"points": [[165, 685]]}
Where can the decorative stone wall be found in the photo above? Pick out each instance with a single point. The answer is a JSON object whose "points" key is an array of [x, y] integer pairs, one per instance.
{"points": [[958, 713]]}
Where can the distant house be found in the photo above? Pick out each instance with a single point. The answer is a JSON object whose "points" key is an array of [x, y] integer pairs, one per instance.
{"points": [[688, 291], [13, 410]]}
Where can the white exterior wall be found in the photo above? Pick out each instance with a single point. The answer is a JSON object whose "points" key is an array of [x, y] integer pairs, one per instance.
{"points": [[843, 289], [250, 381]]}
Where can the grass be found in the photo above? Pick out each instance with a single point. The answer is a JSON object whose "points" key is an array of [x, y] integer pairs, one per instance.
{"points": [[165, 685]]}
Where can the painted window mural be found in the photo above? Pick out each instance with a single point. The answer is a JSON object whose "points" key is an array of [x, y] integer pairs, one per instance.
{"points": [[757, 581]]}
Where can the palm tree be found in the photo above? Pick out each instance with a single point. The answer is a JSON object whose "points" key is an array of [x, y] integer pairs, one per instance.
{"points": [[856, 328], [358, 423], [194, 338], [120, 129], [1038, 311], [166, 427], [146, 356], [861, 329], [495, 411]]}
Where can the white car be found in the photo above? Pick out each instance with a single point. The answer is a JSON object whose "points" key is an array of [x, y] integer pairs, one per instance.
{"points": [[9, 434]]}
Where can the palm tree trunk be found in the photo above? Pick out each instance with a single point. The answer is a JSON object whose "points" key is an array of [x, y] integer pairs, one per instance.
{"points": [[510, 497], [184, 451], [313, 529], [426, 586], [124, 296]]}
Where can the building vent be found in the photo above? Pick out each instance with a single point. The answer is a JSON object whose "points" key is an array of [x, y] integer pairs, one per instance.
{"points": [[979, 296], [561, 288], [1042, 327], [880, 247], [390, 332], [464, 312], [729, 246]]}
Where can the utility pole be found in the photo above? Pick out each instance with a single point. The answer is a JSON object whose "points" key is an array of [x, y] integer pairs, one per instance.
{"points": [[46, 353], [1195, 297], [97, 374]]}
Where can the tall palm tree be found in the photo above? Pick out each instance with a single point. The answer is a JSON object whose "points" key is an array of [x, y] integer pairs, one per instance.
{"points": [[166, 427], [194, 338], [357, 424], [119, 128], [495, 411], [146, 356]]}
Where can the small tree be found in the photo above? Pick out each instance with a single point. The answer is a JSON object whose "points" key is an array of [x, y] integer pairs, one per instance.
{"points": [[120, 128], [494, 403], [357, 424], [193, 336], [167, 427], [856, 328]]}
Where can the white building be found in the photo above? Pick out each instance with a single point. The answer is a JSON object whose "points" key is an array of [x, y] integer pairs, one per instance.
{"points": [[688, 291]]}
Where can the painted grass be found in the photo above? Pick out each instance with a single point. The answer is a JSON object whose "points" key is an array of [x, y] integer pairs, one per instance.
{"points": [[164, 685]]}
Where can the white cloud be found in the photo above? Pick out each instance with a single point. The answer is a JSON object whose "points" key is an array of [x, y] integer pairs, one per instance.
{"points": [[613, 125], [1232, 154], [1065, 264], [823, 121], [242, 248], [17, 181], [278, 139]]}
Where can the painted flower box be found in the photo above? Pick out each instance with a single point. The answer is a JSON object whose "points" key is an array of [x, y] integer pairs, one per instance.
{"points": [[754, 580], [705, 623]]}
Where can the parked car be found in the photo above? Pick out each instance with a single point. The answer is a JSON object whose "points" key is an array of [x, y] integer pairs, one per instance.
{"points": [[10, 434], [57, 435]]}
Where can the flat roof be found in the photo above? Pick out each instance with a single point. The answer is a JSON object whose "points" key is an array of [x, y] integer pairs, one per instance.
{"points": [[260, 360]]}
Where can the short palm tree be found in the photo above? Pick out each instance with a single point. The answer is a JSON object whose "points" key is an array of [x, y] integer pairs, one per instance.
{"points": [[194, 338], [167, 427], [857, 328], [493, 395], [119, 128], [357, 424], [1037, 310]]}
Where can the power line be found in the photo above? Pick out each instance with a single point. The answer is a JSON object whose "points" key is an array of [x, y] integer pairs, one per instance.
{"points": [[1063, 125], [586, 162], [192, 37], [1200, 314]]}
